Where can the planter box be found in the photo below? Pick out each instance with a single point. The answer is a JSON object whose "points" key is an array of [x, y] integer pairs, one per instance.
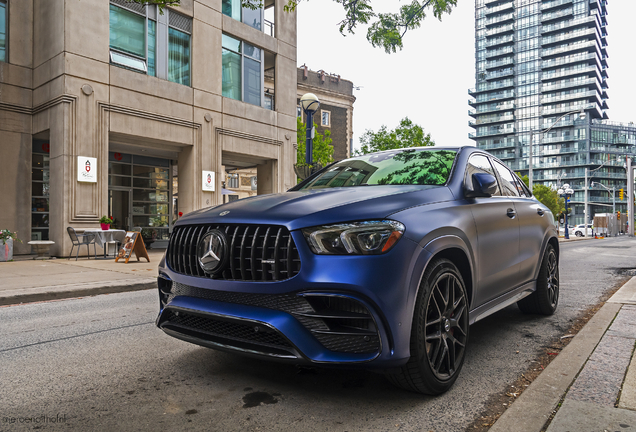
{"points": [[6, 250]]}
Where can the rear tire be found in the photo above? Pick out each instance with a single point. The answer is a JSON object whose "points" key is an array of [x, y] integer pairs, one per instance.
{"points": [[439, 333], [545, 299], [579, 234]]}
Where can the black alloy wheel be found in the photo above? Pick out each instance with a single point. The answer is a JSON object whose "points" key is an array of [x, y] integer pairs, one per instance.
{"points": [[439, 334], [579, 234], [545, 299]]}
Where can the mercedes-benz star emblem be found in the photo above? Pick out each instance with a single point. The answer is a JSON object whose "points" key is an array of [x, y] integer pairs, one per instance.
{"points": [[212, 251]]}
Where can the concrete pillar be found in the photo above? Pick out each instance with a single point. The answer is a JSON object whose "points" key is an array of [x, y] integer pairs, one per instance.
{"points": [[267, 173]]}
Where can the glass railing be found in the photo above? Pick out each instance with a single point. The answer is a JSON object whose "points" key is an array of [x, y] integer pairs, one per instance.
{"points": [[553, 4], [555, 15], [500, 40]]}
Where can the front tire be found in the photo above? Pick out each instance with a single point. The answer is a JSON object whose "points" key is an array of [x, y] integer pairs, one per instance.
{"points": [[439, 333], [579, 234], [545, 299]]}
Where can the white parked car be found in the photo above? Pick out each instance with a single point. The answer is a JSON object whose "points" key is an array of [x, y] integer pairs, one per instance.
{"points": [[579, 230]]}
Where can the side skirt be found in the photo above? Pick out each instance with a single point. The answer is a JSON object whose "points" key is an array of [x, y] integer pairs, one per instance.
{"points": [[504, 301]]}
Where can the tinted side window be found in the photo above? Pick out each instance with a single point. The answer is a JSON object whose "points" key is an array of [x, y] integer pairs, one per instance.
{"points": [[508, 183], [480, 164]]}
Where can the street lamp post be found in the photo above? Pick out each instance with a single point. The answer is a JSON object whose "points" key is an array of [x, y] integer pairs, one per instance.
{"points": [[566, 192], [309, 103], [541, 132]]}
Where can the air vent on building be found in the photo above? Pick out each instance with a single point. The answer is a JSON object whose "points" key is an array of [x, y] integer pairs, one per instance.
{"points": [[180, 22], [131, 6]]}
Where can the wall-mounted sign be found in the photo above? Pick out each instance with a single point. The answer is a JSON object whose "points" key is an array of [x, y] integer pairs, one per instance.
{"points": [[86, 169], [208, 181], [254, 183]]}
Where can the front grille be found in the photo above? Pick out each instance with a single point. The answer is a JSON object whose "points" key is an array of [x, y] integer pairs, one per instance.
{"points": [[230, 333], [257, 253], [340, 324]]}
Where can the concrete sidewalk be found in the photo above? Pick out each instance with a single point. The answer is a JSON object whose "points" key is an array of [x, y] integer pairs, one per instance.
{"points": [[591, 385], [27, 280]]}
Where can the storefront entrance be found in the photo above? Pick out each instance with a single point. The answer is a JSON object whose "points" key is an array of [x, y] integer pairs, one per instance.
{"points": [[140, 196]]}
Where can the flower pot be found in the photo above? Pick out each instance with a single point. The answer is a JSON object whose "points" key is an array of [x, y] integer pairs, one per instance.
{"points": [[6, 250], [105, 227]]}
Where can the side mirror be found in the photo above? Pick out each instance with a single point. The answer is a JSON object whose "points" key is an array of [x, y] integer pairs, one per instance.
{"points": [[484, 185]]}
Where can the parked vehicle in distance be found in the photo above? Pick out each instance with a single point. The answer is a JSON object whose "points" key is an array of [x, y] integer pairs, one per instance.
{"points": [[380, 261], [579, 230]]}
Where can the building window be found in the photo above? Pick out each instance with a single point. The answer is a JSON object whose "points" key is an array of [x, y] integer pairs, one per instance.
{"points": [[253, 18], [242, 71], [3, 30], [325, 118], [137, 43]]}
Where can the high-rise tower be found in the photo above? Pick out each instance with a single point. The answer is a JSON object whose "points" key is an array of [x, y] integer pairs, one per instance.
{"points": [[541, 64]]}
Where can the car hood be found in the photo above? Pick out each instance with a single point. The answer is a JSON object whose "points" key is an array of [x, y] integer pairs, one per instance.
{"points": [[301, 209]]}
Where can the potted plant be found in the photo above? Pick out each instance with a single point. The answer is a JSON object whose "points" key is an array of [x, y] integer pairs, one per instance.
{"points": [[148, 235], [6, 244], [105, 222]]}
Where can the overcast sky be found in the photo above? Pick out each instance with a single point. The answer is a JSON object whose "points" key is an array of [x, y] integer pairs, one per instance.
{"points": [[428, 80]]}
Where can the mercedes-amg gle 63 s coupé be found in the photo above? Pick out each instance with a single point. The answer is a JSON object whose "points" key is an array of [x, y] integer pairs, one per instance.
{"points": [[379, 261]]}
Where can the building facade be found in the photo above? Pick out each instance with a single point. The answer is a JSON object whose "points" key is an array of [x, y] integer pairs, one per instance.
{"points": [[136, 113], [336, 107], [541, 77]]}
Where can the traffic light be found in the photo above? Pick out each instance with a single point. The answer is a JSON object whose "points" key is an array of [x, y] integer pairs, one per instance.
{"points": [[621, 193], [618, 214]]}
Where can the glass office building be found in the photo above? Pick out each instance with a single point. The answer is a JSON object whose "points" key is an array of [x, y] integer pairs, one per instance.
{"points": [[539, 66]]}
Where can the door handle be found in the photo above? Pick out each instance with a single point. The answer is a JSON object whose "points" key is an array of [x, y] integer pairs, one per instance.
{"points": [[511, 213], [540, 211]]}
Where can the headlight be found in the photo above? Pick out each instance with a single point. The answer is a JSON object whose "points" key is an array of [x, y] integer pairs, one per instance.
{"points": [[355, 238]]}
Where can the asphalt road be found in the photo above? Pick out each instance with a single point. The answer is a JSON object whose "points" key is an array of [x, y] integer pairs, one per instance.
{"points": [[99, 363]]}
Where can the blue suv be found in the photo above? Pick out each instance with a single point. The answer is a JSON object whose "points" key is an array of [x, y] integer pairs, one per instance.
{"points": [[380, 261]]}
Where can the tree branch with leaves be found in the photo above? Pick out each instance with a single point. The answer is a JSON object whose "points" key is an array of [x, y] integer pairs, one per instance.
{"points": [[386, 30]]}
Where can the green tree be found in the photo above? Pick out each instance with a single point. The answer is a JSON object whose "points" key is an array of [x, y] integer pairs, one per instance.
{"points": [[323, 150], [386, 30], [407, 134], [548, 197]]}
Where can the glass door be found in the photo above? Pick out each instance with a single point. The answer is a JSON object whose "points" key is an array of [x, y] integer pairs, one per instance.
{"points": [[119, 208]]}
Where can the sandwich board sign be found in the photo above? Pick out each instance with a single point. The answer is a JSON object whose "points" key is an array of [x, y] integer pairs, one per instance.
{"points": [[132, 243]]}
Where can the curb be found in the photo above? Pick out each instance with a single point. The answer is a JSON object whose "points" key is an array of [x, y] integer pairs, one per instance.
{"points": [[61, 292], [533, 408]]}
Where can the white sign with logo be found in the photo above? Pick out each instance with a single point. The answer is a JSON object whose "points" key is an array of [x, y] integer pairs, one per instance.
{"points": [[86, 169], [208, 181], [254, 183]]}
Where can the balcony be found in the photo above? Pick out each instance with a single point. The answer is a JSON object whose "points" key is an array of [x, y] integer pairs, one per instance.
{"points": [[589, 21], [496, 144], [496, 64], [561, 139], [500, 41], [574, 58], [547, 17], [508, 6], [500, 74], [577, 46], [554, 4], [493, 132], [490, 108], [492, 119], [558, 85], [508, 28], [547, 111], [578, 34], [571, 96], [500, 52], [500, 19], [497, 85], [564, 72], [490, 97]]}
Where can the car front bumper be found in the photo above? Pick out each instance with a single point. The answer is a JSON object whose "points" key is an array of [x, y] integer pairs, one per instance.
{"points": [[338, 310]]}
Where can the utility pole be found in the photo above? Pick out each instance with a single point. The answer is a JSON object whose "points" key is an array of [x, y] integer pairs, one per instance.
{"points": [[630, 197], [585, 205]]}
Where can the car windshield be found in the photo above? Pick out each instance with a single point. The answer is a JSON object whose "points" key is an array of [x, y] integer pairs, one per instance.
{"points": [[399, 167]]}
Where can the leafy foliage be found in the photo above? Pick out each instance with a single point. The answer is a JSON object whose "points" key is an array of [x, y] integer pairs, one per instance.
{"points": [[548, 197], [323, 150], [407, 134], [422, 167], [388, 29]]}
